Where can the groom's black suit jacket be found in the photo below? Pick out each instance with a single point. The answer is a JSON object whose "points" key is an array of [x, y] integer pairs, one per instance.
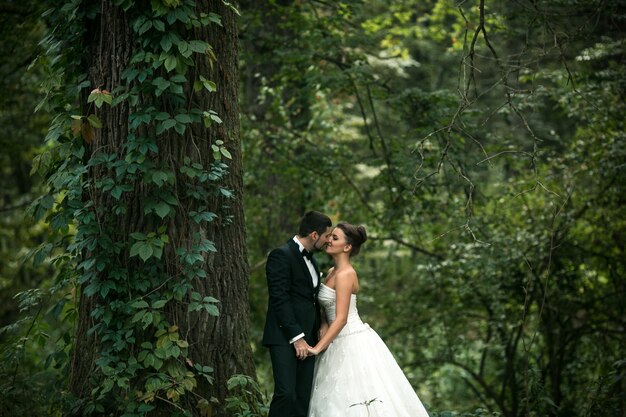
{"points": [[293, 307]]}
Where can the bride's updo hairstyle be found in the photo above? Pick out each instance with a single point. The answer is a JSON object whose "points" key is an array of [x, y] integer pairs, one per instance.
{"points": [[355, 235]]}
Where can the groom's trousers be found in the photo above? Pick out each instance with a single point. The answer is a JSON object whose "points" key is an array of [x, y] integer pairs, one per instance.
{"points": [[292, 382]]}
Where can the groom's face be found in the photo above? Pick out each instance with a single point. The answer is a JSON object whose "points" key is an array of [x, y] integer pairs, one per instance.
{"points": [[320, 241]]}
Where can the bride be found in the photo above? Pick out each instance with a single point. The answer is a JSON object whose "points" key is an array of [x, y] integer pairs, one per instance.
{"points": [[355, 374]]}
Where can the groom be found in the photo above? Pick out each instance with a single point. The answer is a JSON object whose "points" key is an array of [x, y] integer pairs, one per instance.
{"points": [[293, 316]]}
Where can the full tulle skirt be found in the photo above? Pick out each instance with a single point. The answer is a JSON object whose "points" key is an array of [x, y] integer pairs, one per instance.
{"points": [[357, 376]]}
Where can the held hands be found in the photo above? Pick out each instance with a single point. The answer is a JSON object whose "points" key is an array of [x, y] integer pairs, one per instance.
{"points": [[302, 348], [312, 351]]}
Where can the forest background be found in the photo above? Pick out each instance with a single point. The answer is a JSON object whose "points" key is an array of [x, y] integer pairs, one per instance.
{"points": [[480, 142]]}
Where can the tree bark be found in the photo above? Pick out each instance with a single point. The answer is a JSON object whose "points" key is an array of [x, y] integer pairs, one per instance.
{"points": [[220, 342]]}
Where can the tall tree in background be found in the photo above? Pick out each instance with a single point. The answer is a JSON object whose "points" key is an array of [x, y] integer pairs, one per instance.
{"points": [[150, 172]]}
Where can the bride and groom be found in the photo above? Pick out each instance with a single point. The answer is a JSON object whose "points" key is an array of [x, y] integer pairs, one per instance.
{"points": [[328, 364]]}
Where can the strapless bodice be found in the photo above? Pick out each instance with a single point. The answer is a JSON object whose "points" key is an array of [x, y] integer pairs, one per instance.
{"points": [[328, 300]]}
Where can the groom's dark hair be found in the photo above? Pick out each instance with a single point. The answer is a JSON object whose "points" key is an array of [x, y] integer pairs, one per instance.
{"points": [[314, 221]]}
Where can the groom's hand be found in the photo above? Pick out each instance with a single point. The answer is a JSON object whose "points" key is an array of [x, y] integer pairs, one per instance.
{"points": [[302, 348]]}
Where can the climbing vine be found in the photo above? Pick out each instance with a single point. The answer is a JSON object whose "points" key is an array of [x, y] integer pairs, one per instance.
{"points": [[143, 359]]}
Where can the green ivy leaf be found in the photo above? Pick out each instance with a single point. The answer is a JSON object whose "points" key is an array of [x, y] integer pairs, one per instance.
{"points": [[226, 192], [117, 191], [162, 209], [134, 250], [181, 14], [106, 386], [147, 319], [99, 97], [159, 178], [180, 128], [145, 408], [169, 199], [145, 251], [171, 3], [149, 361], [212, 310], [161, 85], [142, 355], [225, 152], [170, 63], [140, 304], [169, 123], [158, 25], [198, 46], [162, 116], [138, 236], [92, 289], [183, 118], [158, 252], [105, 288], [145, 27], [138, 316], [215, 18], [183, 47], [94, 121], [178, 78], [166, 43], [208, 84]]}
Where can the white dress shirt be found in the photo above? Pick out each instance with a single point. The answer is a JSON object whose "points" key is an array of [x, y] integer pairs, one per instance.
{"points": [[309, 264], [314, 277]]}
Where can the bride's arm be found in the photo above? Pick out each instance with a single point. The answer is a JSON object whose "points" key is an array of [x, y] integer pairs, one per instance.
{"points": [[324, 325], [344, 283]]}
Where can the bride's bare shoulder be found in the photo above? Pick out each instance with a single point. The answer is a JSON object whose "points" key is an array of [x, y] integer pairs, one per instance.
{"points": [[347, 279], [346, 273]]}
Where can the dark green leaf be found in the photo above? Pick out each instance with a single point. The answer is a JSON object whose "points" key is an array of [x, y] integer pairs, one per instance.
{"points": [[162, 209], [170, 63]]}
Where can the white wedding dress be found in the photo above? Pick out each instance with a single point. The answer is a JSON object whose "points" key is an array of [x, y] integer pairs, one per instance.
{"points": [[357, 376]]}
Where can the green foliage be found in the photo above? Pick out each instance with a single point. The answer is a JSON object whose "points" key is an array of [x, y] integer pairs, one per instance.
{"points": [[483, 150], [244, 397], [142, 358], [33, 317]]}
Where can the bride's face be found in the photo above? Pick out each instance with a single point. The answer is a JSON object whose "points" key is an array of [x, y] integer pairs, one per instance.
{"points": [[337, 242]]}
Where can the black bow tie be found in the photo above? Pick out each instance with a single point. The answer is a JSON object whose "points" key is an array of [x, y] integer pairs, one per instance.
{"points": [[307, 254]]}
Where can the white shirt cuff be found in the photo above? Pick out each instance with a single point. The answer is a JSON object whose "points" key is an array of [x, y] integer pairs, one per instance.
{"points": [[298, 337]]}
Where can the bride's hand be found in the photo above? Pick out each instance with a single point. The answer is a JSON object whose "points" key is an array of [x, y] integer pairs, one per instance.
{"points": [[313, 352]]}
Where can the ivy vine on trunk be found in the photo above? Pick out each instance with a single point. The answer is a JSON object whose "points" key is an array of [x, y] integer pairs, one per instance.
{"points": [[145, 176]]}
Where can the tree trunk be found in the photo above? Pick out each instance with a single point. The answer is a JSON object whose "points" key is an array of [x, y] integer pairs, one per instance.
{"points": [[219, 342]]}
